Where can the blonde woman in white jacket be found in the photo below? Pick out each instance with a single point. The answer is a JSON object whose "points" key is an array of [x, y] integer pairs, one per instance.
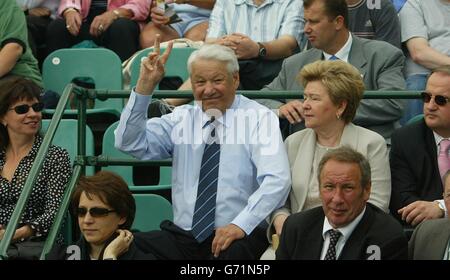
{"points": [[333, 90]]}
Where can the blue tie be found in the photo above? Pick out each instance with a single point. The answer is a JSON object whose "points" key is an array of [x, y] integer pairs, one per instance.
{"points": [[205, 206], [333, 58]]}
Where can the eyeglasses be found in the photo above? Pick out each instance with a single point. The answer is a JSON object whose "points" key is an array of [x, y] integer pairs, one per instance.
{"points": [[24, 108], [438, 99], [94, 212]]}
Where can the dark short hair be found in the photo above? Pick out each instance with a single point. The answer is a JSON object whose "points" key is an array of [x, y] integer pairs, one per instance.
{"points": [[13, 89], [346, 154], [333, 8], [441, 69], [111, 189]]}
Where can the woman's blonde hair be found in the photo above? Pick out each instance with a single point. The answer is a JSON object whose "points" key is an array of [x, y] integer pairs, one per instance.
{"points": [[342, 80]]}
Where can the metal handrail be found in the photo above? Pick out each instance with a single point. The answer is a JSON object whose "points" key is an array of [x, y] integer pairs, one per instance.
{"points": [[33, 175], [103, 94], [82, 160]]}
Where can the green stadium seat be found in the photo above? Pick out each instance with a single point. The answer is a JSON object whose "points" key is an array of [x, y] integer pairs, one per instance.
{"points": [[66, 136], [176, 65], [415, 119], [151, 210], [100, 64], [126, 172]]}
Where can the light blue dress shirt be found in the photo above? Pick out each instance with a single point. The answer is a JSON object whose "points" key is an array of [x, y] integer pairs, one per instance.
{"points": [[254, 175], [269, 21]]}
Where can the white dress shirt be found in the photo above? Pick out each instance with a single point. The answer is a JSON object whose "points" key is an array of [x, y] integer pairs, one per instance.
{"points": [[264, 23], [254, 174], [345, 231], [344, 52]]}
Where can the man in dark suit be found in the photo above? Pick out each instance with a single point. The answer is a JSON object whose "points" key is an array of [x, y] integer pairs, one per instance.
{"points": [[379, 63], [415, 152], [431, 239], [346, 226]]}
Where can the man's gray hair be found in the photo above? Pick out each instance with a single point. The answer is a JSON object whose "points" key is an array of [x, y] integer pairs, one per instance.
{"points": [[215, 52], [346, 154]]}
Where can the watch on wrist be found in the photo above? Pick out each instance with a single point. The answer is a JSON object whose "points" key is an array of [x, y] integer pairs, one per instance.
{"points": [[262, 50], [71, 9], [441, 206], [116, 13]]}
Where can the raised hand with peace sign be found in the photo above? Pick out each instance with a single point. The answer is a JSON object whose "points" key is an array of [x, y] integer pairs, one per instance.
{"points": [[152, 68]]}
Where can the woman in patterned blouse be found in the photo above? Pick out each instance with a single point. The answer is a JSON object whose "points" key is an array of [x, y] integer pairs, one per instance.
{"points": [[20, 119]]}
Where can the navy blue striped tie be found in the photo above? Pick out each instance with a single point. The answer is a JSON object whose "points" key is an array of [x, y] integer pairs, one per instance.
{"points": [[203, 222]]}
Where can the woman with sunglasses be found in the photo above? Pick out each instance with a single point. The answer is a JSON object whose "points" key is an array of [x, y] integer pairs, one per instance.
{"points": [[20, 119], [105, 209]]}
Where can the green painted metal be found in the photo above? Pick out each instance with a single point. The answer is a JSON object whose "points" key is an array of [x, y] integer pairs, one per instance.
{"points": [[83, 160], [32, 177]]}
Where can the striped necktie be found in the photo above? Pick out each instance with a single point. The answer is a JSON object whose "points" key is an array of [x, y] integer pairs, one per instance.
{"points": [[203, 222]]}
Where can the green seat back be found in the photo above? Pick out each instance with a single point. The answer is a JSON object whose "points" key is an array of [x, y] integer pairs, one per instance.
{"points": [[102, 65], [151, 210], [66, 136], [126, 172], [415, 119], [176, 65]]}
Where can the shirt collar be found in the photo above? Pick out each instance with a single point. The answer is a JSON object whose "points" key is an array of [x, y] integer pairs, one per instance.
{"points": [[226, 119], [345, 231], [438, 138], [343, 53]]}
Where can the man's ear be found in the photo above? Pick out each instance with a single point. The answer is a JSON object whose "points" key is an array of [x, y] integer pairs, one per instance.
{"points": [[366, 191], [236, 80], [340, 22]]}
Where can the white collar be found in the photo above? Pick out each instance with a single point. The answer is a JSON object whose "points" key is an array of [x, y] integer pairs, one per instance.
{"points": [[344, 52], [438, 138], [347, 230]]}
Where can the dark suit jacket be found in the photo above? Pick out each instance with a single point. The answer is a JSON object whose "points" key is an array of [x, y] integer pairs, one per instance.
{"points": [[414, 168], [429, 240], [60, 252], [301, 237]]}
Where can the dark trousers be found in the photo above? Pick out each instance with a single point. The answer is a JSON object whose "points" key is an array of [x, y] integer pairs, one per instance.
{"points": [[254, 74], [37, 27], [122, 37], [174, 243]]}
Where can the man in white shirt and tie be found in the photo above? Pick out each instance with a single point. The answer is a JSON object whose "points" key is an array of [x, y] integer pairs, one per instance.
{"points": [[230, 167], [345, 227]]}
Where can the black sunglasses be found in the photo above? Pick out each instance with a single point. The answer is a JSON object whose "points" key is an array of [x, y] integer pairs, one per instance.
{"points": [[24, 108], [438, 99], [94, 212]]}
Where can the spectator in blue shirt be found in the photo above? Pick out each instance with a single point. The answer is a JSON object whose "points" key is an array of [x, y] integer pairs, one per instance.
{"points": [[250, 175]]}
